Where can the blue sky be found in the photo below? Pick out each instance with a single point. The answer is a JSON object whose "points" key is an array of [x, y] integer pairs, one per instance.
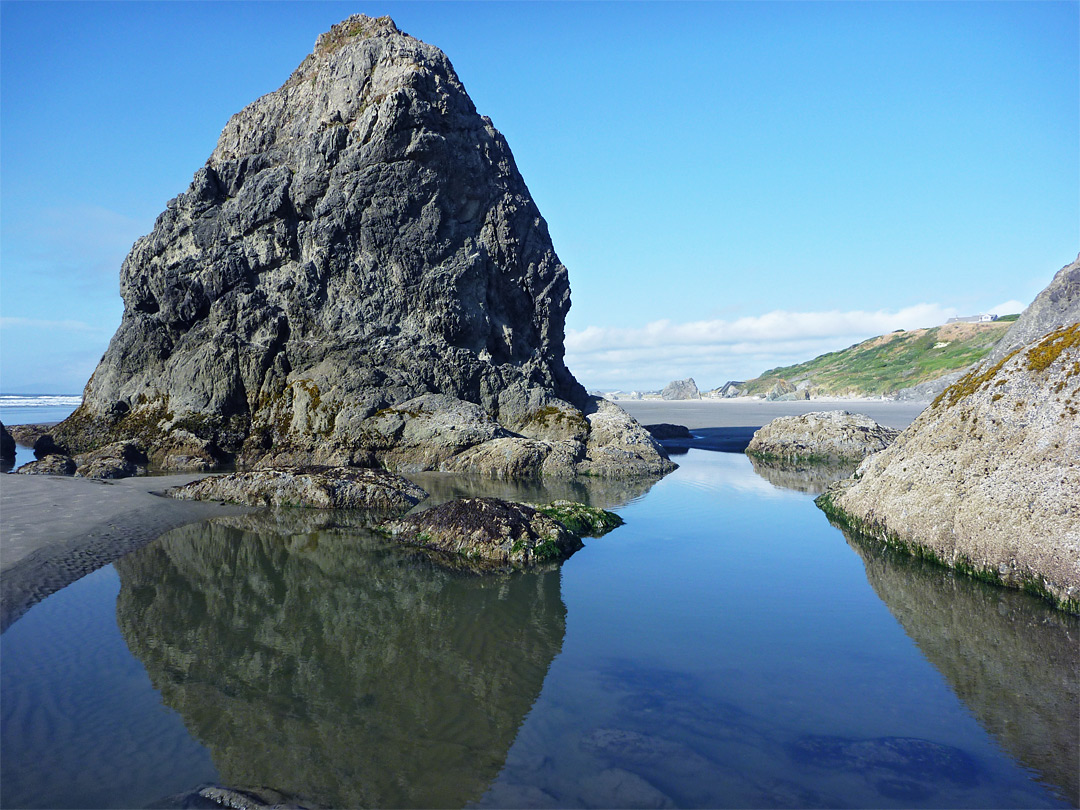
{"points": [[732, 186]]}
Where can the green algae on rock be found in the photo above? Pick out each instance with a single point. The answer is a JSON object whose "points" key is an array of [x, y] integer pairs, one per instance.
{"points": [[487, 533]]}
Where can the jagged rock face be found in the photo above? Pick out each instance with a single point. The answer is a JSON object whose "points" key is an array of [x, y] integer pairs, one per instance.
{"points": [[824, 435], [359, 238], [681, 389], [986, 478]]}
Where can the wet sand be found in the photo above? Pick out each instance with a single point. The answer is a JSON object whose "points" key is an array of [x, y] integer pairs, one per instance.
{"points": [[747, 413], [54, 530]]}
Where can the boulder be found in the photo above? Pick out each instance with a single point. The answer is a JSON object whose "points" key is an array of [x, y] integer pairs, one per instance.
{"points": [[53, 464], [821, 435], [26, 435], [116, 460], [7, 444], [783, 389], [318, 487], [665, 430], [358, 275], [487, 533], [681, 389], [46, 445], [985, 480]]}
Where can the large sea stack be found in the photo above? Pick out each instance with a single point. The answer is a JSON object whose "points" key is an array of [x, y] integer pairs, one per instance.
{"points": [[987, 479], [357, 276]]}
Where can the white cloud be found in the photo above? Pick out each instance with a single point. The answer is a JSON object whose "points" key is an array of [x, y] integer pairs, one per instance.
{"points": [[717, 350]]}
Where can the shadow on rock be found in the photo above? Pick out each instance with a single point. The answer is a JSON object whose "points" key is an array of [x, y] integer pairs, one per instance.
{"points": [[334, 666]]}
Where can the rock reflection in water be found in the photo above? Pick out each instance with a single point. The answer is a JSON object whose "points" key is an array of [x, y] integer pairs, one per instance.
{"points": [[803, 476], [1013, 660], [607, 493], [335, 667]]}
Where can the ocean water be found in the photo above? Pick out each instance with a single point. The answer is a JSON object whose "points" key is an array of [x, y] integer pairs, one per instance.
{"points": [[33, 409], [726, 647]]}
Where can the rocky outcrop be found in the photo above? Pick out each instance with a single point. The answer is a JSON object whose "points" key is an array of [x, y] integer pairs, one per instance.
{"points": [[784, 391], [486, 533], [318, 487], [116, 460], [681, 389], [52, 464], [1058, 305], [26, 435], [7, 444], [821, 435], [985, 479], [357, 276]]}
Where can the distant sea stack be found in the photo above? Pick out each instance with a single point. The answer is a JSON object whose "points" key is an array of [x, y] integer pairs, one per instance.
{"points": [[681, 389], [357, 276], [986, 479]]}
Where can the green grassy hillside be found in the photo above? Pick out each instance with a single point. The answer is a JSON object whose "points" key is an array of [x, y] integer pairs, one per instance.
{"points": [[885, 364]]}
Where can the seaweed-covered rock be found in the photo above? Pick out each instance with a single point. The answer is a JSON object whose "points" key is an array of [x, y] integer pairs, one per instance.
{"points": [[358, 264], [985, 480], [52, 464], [821, 435], [487, 532], [319, 487], [666, 430], [582, 520]]}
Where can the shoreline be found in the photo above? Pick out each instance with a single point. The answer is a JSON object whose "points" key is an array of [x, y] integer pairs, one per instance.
{"points": [[744, 412], [58, 529]]}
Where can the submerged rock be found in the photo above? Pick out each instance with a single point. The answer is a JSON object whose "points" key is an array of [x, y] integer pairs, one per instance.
{"points": [[319, 487], [821, 435], [487, 531], [357, 276], [985, 480]]}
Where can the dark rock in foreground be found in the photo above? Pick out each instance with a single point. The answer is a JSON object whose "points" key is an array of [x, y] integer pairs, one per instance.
{"points": [[46, 445], [319, 487], [821, 435], [665, 430], [7, 444], [357, 276], [487, 532]]}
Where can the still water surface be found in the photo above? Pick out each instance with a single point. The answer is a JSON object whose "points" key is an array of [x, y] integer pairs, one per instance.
{"points": [[727, 647]]}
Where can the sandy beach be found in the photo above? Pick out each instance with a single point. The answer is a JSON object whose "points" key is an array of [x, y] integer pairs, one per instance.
{"points": [[55, 530]]}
